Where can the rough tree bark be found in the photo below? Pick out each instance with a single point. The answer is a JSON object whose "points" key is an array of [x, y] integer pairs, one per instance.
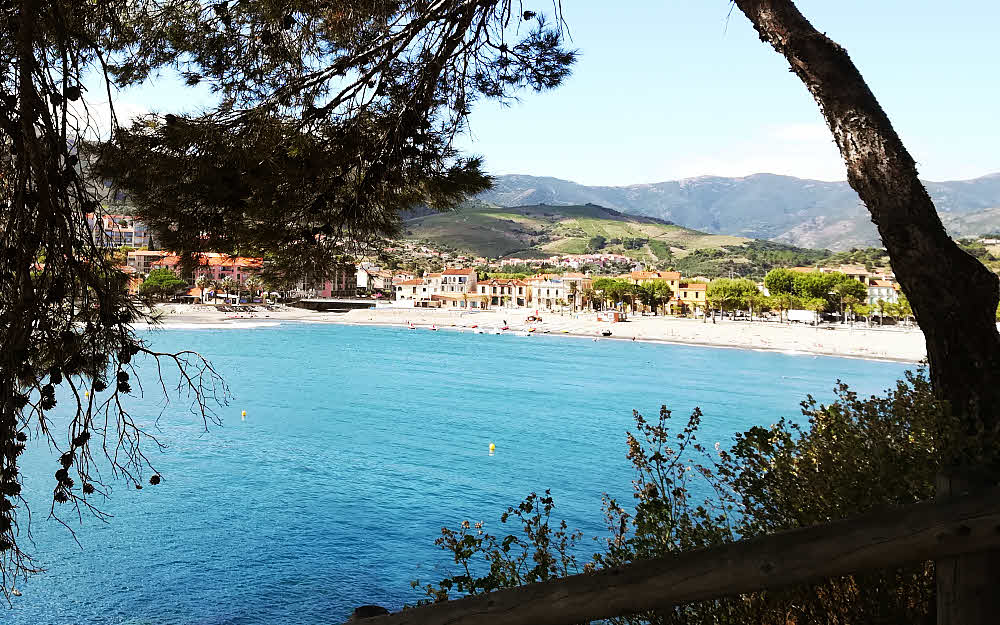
{"points": [[954, 297]]}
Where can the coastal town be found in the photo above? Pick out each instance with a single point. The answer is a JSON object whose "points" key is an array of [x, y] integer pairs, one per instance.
{"points": [[596, 295], [572, 282]]}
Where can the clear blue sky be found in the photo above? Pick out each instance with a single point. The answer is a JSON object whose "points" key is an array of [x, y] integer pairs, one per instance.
{"points": [[666, 89]]}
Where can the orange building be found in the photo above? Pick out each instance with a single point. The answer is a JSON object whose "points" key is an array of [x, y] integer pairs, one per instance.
{"points": [[688, 297], [672, 278]]}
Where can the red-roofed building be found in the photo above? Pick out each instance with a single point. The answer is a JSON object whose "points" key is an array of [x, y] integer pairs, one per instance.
{"points": [[857, 272], [688, 298], [505, 292], [672, 278], [216, 267], [882, 290], [458, 281], [142, 260]]}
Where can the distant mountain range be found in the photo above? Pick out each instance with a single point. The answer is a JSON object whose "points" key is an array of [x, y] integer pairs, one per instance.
{"points": [[806, 213]]}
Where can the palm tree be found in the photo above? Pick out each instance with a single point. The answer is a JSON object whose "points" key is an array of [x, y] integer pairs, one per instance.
{"points": [[757, 302], [254, 284], [573, 288], [204, 283], [850, 302], [229, 285], [904, 308], [588, 295], [865, 311], [216, 287], [817, 305], [883, 306]]}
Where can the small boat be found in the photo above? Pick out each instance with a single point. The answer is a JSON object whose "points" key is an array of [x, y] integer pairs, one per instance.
{"points": [[522, 333], [434, 327], [480, 331], [497, 331], [605, 332]]}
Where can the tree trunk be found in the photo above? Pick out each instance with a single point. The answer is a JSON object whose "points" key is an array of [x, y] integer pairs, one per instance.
{"points": [[953, 296]]}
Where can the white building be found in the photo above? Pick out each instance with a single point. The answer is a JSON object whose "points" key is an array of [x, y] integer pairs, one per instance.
{"points": [[371, 277], [511, 293], [458, 281], [881, 290], [547, 293], [416, 290]]}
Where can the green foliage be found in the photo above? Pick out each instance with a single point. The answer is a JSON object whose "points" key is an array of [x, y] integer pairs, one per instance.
{"points": [[849, 287], [852, 456], [780, 281], [653, 293], [707, 262], [662, 252], [814, 284], [731, 294], [615, 291], [596, 243], [976, 249], [764, 255], [870, 257], [752, 259], [161, 283], [783, 302], [542, 550], [329, 122]]}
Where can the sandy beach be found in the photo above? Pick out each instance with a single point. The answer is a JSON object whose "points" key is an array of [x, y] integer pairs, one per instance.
{"points": [[889, 343]]}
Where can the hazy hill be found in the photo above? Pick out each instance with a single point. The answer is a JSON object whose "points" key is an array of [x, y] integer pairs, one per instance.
{"points": [[808, 213]]}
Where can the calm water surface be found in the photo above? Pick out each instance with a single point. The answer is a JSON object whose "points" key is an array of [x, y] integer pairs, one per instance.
{"points": [[359, 444]]}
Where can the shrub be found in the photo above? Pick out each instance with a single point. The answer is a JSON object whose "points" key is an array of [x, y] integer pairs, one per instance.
{"points": [[846, 458]]}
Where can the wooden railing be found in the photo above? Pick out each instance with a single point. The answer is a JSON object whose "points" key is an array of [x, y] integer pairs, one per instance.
{"points": [[886, 539]]}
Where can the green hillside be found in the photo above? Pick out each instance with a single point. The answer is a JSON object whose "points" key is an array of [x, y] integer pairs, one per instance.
{"points": [[541, 230]]}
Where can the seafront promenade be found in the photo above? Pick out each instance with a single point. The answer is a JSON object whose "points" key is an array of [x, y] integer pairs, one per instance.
{"points": [[859, 341]]}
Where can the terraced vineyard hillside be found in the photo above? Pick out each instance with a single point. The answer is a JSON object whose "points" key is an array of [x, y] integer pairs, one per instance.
{"points": [[541, 230]]}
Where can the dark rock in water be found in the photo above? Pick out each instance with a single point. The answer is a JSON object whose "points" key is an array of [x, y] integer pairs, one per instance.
{"points": [[367, 611]]}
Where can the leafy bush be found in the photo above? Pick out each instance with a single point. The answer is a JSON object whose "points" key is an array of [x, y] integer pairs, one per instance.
{"points": [[540, 552], [849, 457], [596, 243], [161, 283]]}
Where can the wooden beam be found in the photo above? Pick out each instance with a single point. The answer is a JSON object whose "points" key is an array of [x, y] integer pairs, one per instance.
{"points": [[884, 539]]}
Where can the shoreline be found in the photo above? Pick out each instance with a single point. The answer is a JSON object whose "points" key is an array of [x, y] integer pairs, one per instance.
{"points": [[859, 342], [651, 341]]}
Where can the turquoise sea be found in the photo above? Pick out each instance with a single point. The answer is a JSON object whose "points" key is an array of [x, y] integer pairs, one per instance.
{"points": [[359, 444]]}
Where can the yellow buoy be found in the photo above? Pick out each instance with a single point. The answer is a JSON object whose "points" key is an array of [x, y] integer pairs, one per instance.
{"points": [[244, 413], [86, 393], [492, 447]]}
